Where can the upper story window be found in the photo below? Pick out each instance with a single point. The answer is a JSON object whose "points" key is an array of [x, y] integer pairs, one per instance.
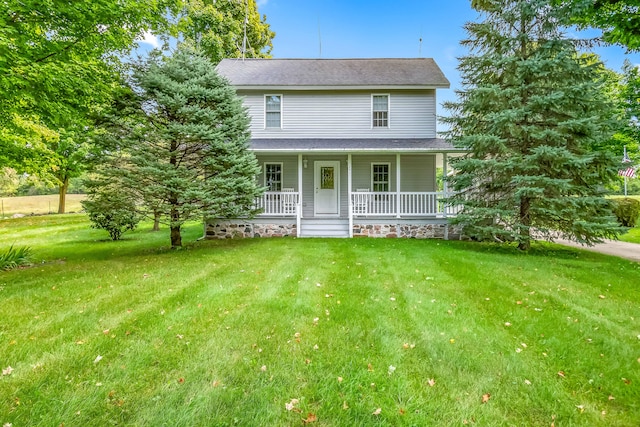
{"points": [[273, 176], [380, 111], [380, 176], [273, 111]]}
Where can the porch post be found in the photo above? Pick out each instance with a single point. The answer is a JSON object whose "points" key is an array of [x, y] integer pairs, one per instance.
{"points": [[397, 185], [350, 202], [299, 204], [444, 193], [444, 172]]}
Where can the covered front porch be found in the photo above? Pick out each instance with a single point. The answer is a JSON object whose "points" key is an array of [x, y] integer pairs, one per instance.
{"points": [[370, 188]]}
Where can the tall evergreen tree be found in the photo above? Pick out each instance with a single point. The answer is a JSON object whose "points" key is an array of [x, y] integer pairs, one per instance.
{"points": [[529, 112], [190, 153]]}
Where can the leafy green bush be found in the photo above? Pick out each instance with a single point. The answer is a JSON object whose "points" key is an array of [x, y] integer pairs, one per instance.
{"points": [[15, 257], [627, 211], [112, 211]]}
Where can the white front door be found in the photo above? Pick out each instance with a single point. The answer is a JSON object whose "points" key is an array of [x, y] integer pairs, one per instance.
{"points": [[327, 188]]}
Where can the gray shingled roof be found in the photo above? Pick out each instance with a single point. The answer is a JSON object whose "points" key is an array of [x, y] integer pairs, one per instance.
{"points": [[379, 72], [344, 145]]}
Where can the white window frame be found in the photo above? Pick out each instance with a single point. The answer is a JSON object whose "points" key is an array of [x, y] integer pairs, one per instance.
{"points": [[388, 111], [266, 96], [388, 165], [264, 175]]}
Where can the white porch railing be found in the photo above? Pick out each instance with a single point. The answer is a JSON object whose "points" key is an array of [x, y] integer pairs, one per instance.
{"points": [[411, 204], [278, 203]]}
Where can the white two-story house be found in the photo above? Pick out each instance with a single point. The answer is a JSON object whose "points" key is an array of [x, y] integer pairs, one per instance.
{"points": [[347, 147]]}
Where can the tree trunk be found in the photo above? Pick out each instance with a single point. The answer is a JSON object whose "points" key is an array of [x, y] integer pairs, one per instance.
{"points": [[156, 221], [176, 237], [62, 195], [525, 224]]}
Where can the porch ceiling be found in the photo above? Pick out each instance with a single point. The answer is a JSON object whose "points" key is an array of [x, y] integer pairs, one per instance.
{"points": [[365, 145]]}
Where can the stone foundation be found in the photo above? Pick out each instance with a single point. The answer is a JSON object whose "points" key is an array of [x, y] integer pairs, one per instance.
{"points": [[231, 230], [238, 230], [407, 231]]}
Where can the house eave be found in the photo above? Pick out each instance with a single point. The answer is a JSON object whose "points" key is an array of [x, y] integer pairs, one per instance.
{"points": [[359, 150], [338, 88], [352, 145]]}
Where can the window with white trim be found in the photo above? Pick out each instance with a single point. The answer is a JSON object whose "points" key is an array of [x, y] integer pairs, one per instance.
{"points": [[273, 176], [273, 111], [380, 111], [380, 173]]}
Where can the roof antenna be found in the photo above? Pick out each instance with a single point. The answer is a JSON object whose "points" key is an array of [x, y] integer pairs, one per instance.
{"points": [[319, 39], [420, 45], [246, 20]]}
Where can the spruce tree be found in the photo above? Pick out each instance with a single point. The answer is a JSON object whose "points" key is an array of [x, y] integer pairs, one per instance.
{"points": [[530, 111], [190, 153]]}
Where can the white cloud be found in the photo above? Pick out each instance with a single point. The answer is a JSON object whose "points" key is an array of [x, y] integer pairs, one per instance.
{"points": [[261, 2], [150, 39]]}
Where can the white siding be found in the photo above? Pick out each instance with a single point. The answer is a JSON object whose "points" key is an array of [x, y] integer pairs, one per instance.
{"points": [[418, 173], [289, 169], [345, 114]]}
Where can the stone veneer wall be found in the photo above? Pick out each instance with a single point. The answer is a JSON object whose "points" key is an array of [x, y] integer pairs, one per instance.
{"points": [[231, 230], [413, 231]]}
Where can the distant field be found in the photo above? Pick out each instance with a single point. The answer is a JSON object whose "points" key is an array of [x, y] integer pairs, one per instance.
{"points": [[38, 204]]}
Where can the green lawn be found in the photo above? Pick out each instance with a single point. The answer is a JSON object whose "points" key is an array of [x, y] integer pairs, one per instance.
{"points": [[631, 236], [231, 332]]}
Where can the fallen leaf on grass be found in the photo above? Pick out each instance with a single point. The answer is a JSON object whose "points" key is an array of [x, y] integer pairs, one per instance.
{"points": [[263, 368], [626, 381], [370, 367], [7, 371], [97, 359], [580, 407], [339, 379], [377, 411], [601, 296], [345, 406], [527, 382], [611, 397], [392, 369], [311, 418], [290, 406], [486, 397], [431, 382], [561, 374]]}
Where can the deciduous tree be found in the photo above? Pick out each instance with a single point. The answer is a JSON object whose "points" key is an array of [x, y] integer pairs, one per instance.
{"points": [[225, 29]]}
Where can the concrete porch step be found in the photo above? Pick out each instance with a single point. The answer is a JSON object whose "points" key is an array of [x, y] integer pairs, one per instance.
{"points": [[324, 227]]}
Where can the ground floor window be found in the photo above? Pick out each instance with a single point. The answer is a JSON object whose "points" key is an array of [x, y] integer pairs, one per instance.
{"points": [[273, 176], [380, 176]]}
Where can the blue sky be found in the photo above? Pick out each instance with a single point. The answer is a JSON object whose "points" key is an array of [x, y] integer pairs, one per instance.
{"points": [[381, 29]]}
